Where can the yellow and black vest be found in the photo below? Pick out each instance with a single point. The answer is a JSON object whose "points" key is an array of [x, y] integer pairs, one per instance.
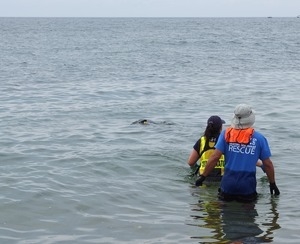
{"points": [[205, 151]]}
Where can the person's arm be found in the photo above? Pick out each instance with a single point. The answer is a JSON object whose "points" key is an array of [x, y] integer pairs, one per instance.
{"points": [[269, 169], [261, 165], [193, 158], [211, 163]]}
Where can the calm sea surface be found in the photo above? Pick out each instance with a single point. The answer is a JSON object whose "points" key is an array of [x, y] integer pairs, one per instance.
{"points": [[74, 169]]}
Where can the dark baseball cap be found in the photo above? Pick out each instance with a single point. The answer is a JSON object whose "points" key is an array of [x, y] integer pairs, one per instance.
{"points": [[215, 121]]}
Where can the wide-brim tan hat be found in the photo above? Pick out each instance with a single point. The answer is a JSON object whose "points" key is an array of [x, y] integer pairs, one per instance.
{"points": [[244, 117]]}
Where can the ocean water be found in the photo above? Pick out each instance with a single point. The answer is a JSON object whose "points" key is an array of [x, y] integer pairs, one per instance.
{"points": [[76, 169]]}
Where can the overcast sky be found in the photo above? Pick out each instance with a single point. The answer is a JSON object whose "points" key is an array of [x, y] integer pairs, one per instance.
{"points": [[149, 8]]}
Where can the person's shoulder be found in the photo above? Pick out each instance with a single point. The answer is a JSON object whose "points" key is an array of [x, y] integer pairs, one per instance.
{"points": [[203, 137], [258, 134], [222, 133], [199, 140]]}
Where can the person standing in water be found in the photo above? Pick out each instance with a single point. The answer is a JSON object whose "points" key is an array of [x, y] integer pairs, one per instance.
{"points": [[204, 148], [242, 147]]}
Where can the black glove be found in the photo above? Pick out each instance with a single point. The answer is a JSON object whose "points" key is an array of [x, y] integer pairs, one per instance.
{"points": [[274, 189], [200, 180]]}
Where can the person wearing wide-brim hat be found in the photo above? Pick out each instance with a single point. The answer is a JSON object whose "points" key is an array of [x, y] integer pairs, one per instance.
{"points": [[242, 147], [244, 117]]}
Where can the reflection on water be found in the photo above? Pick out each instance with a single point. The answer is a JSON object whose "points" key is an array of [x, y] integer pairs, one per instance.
{"points": [[232, 222]]}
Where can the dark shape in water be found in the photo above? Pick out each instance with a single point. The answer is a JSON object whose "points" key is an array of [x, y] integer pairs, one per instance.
{"points": [[144, 122], [148, 122]]}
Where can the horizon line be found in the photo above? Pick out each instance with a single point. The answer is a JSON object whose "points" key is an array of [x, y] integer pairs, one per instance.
{"points": [[297, 16]]}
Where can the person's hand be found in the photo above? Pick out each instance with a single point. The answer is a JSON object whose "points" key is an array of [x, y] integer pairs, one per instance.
{"points": [[274, 189], [200, 180]]}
